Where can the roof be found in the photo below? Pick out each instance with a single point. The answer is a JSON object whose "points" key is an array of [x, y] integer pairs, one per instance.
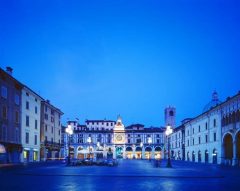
{"points": [[11, 77], [100, 121], [215, 107], [49, 104]]}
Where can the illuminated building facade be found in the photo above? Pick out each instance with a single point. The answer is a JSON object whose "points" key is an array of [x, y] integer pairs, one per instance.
{"points": [[102, 136]]}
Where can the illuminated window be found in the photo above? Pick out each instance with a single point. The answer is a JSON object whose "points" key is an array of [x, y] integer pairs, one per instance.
{"points": [[35, 155]]}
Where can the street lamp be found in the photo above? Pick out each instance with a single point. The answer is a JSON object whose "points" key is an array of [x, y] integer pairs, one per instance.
{"points": [[150, 142], [141, 145], [69, 132], [168, 133], [89, 140]]}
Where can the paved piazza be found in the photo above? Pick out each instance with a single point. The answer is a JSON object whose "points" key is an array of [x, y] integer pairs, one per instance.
{"points": [[129, 175]]}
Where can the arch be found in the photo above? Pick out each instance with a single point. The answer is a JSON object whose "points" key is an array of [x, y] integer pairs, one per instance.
{"points": [[228, 146], [138, 149], [158, 149], [148, 149], [206, 156], [129, 149], [199, 156], [214, 155]]}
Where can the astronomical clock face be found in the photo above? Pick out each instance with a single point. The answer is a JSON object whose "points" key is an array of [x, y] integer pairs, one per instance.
{"points": [[119, 138]]}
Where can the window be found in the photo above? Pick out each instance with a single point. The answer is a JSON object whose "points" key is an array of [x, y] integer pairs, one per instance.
{"points": [[188, 143], [52, 112], [36, 109], [46, 116], [36, 124], [46, 108], [27, 121], [171, 113], [129, 141], [52, 119], [193, 131], [4, 92], [16, 117], [36, 100], [35, 139], [214, 123], [193, 141], [45, 127], [188, 132], [27, 105], [206, 138], [199, 128], [52, 140], [45, 138], [4, 112], [199, 140], [107, 124], [59, 132], [52, 129], [206, 126], [214, 137], [27, 138], [17, 99], [27, 94]]}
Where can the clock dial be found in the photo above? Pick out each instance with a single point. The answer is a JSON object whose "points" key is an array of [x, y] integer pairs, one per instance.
{"points": [[119, 138]]}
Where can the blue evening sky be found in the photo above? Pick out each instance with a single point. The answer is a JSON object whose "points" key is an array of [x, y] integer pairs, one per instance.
{"points": [[97, 59]]}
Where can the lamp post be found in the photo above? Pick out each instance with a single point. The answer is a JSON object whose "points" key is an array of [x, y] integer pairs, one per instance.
{"points": [[141, 145], [69, 132], [168, 133], [89, 140], [150, 142]]}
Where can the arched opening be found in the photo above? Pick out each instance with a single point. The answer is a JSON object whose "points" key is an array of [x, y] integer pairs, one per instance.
{"points": [[206, 156], [193, 156], [199, 156], [228, 148], [129, 152], [138, 153], [188, 156], [119, 152], [80, 154], [157, 154], [214, 155], [179, 156], [148, 152]]}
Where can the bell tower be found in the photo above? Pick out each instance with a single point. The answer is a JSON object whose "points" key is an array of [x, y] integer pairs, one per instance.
{"points": [[170, 116]]}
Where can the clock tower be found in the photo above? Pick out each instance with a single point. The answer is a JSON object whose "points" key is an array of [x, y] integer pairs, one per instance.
{"points": [[119, 132]]}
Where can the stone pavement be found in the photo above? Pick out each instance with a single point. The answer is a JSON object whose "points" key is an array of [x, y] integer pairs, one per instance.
{"points": [[129, 175]]}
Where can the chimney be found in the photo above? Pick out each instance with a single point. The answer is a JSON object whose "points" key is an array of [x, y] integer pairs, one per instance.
{"points": [[9, 70]]}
